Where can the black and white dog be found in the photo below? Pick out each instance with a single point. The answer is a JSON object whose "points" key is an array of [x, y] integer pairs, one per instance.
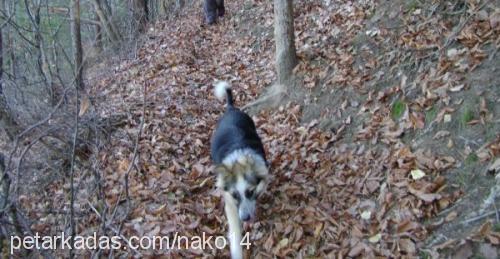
{"points": [[240, 164], [213, 9]]}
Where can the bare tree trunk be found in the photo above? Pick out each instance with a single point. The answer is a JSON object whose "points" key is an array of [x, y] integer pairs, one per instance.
{"points": [[7, 122], [286, 57], [77, 43], [108, 26], [140, 14], [162, 8], [43, 66], [106, 7], [10, 43], [179, 4], [99, 44]]}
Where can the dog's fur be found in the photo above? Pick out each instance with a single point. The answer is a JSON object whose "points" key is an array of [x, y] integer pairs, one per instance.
{"points": [[240, 164]]}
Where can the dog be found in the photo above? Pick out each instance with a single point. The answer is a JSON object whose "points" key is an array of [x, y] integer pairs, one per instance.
{"points": [[213, 8], [240, 164]]}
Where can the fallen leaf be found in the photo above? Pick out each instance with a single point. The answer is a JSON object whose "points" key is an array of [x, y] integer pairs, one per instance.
{"points": [[375, 238], [451, 216], [417, 174], [447, 118], [407, 245], [427, 197], [366, 215], [84, 105]]}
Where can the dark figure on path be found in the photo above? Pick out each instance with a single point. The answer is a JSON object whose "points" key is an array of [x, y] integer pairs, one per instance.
{"points": [[213, 8]]}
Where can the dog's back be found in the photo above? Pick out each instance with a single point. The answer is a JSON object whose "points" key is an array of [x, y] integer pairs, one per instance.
{"points": [[235, 130]]}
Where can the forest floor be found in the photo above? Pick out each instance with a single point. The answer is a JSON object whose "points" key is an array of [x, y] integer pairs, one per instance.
{"points": [[381, 148]]}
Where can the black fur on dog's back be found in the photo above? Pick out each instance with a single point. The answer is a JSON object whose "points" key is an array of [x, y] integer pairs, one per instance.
{"points": [[235, 130]]}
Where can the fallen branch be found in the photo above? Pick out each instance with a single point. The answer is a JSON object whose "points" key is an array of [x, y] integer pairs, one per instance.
{"points": [[485, 215]]}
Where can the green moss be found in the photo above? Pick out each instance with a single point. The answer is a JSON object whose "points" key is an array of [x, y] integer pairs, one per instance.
{"points": [[430, 115], [491, 131], [467, 116], [423, 255], [398, 109], [496, 227], [412, 5], [471, 159], [462, 179]]}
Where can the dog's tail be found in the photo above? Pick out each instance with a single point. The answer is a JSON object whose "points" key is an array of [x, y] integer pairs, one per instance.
{"points": [[223, 89]]}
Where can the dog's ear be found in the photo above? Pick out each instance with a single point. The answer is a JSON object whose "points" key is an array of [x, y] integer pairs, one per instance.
{"points": [[243, 165], [261, 170], [221, 169], [225, 177], [246, 161], [239, 167]]}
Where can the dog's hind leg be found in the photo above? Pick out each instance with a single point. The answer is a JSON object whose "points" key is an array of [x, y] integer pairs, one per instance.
{"points": [[234, 227]]}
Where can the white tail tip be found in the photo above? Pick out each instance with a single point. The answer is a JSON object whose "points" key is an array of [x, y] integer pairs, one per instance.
{"points": [[220, 89]]}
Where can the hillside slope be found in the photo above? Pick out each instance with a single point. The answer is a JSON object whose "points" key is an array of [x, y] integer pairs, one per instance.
{"points": [[384, 140]]}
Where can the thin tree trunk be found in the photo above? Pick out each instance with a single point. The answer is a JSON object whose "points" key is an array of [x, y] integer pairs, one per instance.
{"points": [[7, 121], [179, 4], [108, 26], [107, 8], [140, 14], [99, 44], [43, 66], [163, 8], [77, 43], [10, 44], [286, 57]]}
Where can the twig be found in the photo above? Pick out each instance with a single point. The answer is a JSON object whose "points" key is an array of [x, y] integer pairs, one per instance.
{"points": [[485, 215], [493, 54], [33, 127], [114, 229], [496, 210]]}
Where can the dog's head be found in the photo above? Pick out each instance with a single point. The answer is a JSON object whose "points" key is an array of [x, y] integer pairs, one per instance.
{"points": [[242, 182]]}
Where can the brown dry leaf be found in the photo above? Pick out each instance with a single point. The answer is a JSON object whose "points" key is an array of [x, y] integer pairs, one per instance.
{"points": [[375, 238], [494, 238], [407, 226], [427, 197], [441, 134], [483, 231], [357, 250], [465, 251], [407, 245], [317, 229], [281, 244], [84, 105], [123, 165], [451, 216]]}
